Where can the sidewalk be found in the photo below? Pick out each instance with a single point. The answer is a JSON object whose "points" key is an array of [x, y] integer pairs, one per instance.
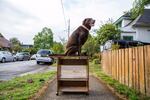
{"points": [[97, 92]]}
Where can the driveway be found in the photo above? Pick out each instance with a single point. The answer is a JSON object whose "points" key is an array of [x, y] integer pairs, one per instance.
{"points": [[10, 70]]}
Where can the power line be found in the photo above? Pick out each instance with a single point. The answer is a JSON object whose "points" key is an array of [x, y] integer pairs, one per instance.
{"points": [[67, 28], [63, 13]]}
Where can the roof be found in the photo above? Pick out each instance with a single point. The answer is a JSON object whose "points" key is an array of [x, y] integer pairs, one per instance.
{"points": [[4, 42], [143, 19], [125, 16]]}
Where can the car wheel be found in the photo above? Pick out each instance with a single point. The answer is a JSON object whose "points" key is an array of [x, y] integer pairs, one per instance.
{"points": [[50, 63], [3, 60], [38, 62], [14, 59]]}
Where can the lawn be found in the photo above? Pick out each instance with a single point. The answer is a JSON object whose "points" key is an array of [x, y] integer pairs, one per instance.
{"points": [[25, 87]]}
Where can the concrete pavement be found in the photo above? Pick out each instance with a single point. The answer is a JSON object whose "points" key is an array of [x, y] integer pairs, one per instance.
{"points": [[97, 92]]}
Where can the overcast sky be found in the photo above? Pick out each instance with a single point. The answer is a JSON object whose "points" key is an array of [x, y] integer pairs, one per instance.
{"points": [[25, 18]]}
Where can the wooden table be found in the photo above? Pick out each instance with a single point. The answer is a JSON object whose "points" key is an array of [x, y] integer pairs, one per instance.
{"points": [[72, 74]]}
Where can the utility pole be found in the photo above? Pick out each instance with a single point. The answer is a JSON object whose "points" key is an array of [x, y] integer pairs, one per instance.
{"points": [[68, 28]]}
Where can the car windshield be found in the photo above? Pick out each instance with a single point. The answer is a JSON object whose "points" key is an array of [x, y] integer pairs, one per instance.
{"points": [[19, 54], [1, 52], [44, 52]]}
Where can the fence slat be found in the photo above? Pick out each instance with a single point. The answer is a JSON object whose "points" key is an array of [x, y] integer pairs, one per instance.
{"points": [[119, 66], [130, 68], [147, 69], [126, 67], [123, 67], [141, 68], [137, 69], [134, 68]]}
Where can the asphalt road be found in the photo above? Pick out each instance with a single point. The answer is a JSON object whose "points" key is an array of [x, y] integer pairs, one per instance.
{"points": [[10, 70]]}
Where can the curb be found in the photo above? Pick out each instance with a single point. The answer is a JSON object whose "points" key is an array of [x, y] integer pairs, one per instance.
{"points": [[42, 90], [120, 97]]}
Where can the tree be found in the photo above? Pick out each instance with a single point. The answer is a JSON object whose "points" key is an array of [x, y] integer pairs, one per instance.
{"points": [[91, 46], [30, 50], [44, 39], [14, 41], [16, 45], [58, 48], [138, 7], [63, 42], [107, 32]]}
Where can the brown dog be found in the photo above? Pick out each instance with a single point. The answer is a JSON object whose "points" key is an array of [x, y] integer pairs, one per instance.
{"points": [[79, 37]]}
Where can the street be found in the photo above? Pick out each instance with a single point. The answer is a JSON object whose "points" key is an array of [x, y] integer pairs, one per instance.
{"points": [[10, 70]]}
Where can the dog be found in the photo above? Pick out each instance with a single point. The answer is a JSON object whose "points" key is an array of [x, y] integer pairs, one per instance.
{"points": [[79, 37]]}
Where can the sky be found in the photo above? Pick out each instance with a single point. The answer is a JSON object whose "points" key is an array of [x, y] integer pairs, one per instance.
{"points": [[25, 18]]}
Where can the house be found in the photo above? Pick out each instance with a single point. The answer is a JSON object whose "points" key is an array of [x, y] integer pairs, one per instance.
{"points": [[137, 29], [26, 45], [4, 43]]}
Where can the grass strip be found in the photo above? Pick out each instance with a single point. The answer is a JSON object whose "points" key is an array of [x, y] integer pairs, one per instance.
{"points": [[22, 88]]}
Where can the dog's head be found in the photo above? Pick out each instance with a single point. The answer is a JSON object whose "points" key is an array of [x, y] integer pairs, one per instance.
{"points": [[88, 22]]}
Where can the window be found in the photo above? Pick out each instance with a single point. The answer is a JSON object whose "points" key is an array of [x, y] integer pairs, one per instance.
{"points": [[129, 38]]}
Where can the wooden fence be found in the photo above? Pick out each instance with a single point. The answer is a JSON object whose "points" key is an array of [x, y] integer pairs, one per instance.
{"points": [[129, 66]]}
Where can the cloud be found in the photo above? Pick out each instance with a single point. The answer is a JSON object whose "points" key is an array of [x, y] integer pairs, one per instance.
{"points": [[24, 18]]}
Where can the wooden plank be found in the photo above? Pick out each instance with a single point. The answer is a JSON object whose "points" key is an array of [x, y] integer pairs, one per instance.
{"points": [[120, 66], [65, 56], [127, 67], [137, 69], [104, 61], [133, 68], [113, 67], [117, 64], [130, 68], [73, 79], [142, 71], [123, 67], [147, 69], [109, 62], [72, 71], [74, 89], [73, 62]]}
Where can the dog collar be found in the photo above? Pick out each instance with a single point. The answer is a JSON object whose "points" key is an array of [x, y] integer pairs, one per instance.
{"points": [[85, 27]]}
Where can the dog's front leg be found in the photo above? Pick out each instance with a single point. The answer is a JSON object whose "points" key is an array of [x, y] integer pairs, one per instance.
{"points": [[79, 46]]}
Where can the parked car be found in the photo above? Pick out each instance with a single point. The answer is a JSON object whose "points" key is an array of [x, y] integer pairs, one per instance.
{"points": [[33, 57], [23, 56], [6, 56], [122, 44], [42, 56]]}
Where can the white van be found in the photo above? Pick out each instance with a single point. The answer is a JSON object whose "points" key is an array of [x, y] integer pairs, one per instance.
{"points": [[42, 56]]}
